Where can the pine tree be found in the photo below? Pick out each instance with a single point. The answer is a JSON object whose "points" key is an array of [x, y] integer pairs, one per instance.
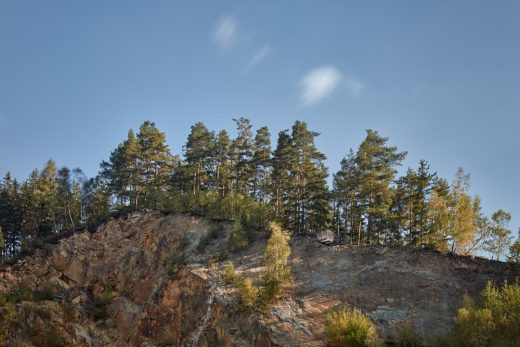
{"points": [[280, 175], [31, 204], [422, 187], [11, 215], [242, 155], [405, 209], [68, 199], [156, 164], [306, 201], [262, 165], [46, 193], [199, 153], [222, 164], [139, 170], [413, 191], [2, 243], [376, 163], [95, 199], [122, 172], [347, 188]]}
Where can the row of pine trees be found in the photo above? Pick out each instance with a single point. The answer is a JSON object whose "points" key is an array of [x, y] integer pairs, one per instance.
{"points": [[247, 178]]}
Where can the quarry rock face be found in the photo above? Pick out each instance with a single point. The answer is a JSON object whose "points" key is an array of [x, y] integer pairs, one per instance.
{"points": [[125, 285]]}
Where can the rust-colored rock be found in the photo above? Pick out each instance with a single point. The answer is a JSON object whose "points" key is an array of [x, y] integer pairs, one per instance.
{"points": [[112, 288]]}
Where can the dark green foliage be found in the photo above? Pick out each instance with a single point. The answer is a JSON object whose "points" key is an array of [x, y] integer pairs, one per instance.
{"points": [[224, 255], [268, 293], [53, 338], [241, 157], [99, 304], [199, 155], [44, 293], [409, 337], [139, 169], [224, 178], [301, 198], [212, 234], [175, 264], [238, 239], [364, 192], [19, 293]]}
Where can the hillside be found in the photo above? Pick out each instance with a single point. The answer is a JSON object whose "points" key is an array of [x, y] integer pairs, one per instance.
{"points": [[116, 287]]}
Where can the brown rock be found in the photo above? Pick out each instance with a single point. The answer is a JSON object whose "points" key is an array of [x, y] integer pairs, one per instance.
{"points": [[121, 271]]}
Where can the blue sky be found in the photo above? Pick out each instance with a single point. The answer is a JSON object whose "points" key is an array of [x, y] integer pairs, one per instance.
{"points": [[440, 78]]}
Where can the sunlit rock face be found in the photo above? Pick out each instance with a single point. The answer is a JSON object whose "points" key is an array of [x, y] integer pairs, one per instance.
{"points": [[113, 287]]}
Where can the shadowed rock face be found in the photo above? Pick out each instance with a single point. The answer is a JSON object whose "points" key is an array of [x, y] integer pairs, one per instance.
{"points": [[121, 271]]}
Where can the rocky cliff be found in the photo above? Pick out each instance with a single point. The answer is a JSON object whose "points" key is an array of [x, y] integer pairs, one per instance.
{"points": [[143, 280]]}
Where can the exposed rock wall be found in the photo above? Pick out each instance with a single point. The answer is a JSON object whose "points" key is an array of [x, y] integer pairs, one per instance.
{"points": [[112, 288]]}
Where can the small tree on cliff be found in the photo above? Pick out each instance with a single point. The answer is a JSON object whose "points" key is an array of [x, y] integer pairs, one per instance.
{"points": [[514, 250], [277, 252]]}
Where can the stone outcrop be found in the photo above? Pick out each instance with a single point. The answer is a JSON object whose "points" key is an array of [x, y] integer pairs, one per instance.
{"points": [[116, 287]]}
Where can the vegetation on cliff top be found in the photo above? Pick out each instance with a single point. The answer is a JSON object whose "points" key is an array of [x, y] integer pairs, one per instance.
{"points": [[246, 179]]}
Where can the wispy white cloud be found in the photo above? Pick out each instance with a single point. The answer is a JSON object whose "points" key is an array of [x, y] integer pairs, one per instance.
{"points": [[319, 83], [225, 32], [257, 58]]}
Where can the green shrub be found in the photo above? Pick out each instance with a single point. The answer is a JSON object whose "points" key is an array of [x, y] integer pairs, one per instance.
{"points": [[270, 291], [346, 327], [230, 275], [409, 337], [100, 304], [276, 257], [224, 255], [248, 292], [238, 238], [53, 338], [175, 264], [44, 293], [213, 234], [494, 321], [19, 293]]}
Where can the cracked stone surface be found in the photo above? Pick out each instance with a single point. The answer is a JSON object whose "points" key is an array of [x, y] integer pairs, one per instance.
{"points": [[126, 259]]}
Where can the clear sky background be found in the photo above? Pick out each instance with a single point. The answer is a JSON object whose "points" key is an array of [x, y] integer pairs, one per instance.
{"points": [[440, 78]]}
